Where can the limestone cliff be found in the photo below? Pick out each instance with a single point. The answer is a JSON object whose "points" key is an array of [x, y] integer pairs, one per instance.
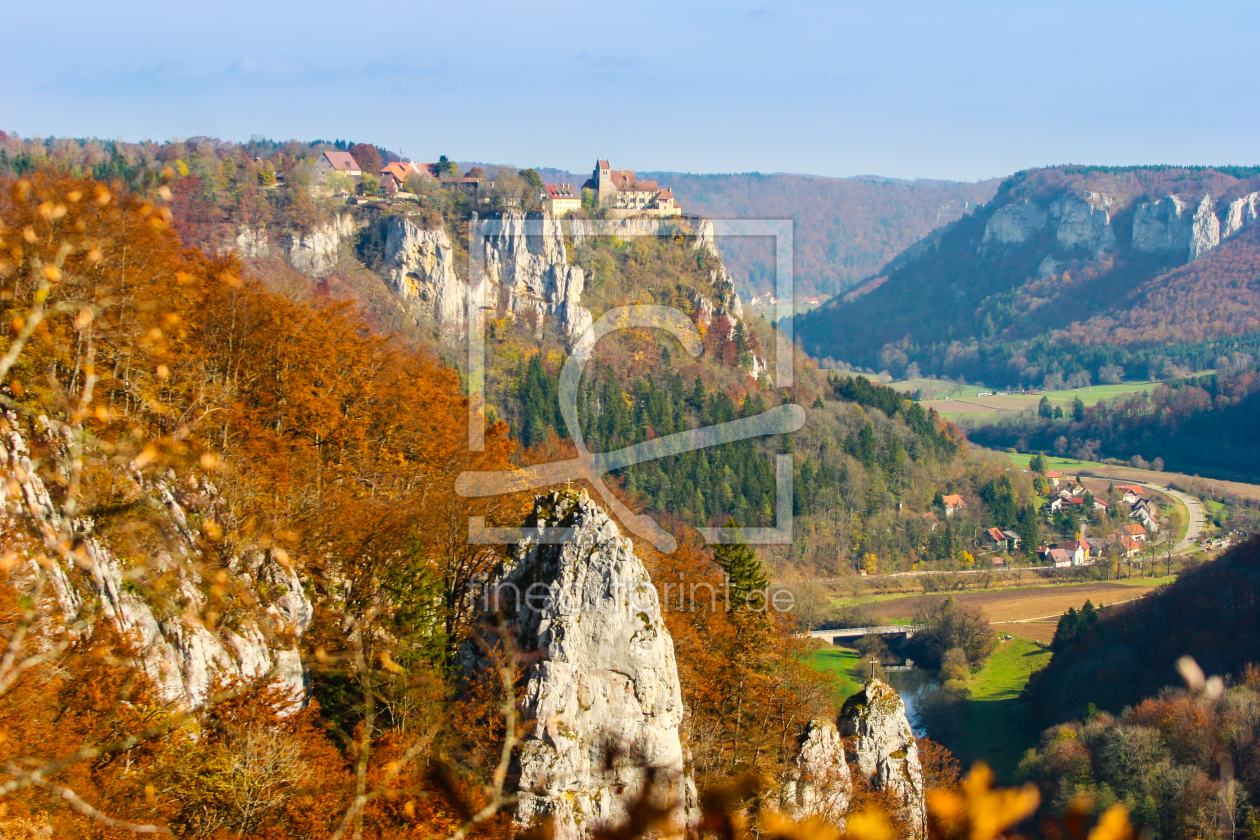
{"points": [[1168, 225], [1243, 212], [314, 252], [529, 272], [600, 680], [884, 748], [819, 783], [1080, 222], [181, 655]]}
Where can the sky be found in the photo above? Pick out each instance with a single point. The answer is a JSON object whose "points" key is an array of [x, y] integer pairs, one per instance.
{"points": [[901, 88]]}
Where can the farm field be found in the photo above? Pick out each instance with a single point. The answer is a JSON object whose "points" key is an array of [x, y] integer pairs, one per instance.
{"points": [[1031, 613], [962, 403]]}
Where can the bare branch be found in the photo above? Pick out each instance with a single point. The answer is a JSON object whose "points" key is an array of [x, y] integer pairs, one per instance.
{"points": [[77, 803]]}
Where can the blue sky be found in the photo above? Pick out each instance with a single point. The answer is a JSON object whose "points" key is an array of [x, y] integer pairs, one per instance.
{"points": [[902, 88]]}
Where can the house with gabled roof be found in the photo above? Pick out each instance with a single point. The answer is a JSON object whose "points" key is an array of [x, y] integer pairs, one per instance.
{"points": [[1129, 547], [342, 163], [953, 502], [559, 199], [1134, 531]]}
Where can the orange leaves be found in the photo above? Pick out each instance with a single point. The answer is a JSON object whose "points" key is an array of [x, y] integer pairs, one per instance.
{"points": [[977, 811]]}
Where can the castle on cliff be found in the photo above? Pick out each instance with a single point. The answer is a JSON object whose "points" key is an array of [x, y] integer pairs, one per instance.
{"points": [[625, 195]]}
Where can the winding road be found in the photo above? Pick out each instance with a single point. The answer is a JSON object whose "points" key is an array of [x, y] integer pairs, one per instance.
{"points": [[1197, 517]]}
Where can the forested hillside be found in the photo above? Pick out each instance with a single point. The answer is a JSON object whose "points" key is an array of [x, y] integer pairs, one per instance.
{"points": [[1074, 274], [1200, 426], [1210, 613], [844, 229]]}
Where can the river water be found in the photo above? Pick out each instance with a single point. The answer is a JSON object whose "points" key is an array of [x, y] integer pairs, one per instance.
{"points": [[913, 685]]}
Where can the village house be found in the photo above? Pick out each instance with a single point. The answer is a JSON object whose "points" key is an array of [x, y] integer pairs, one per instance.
{"points": [[1134, 531], [1059, 557], [625, 195], [1130, 494], [1054, 477], [336, 162], [1002, 540], [395, 175], [1129, 547], [1077, 552], [953, 502], [559, 199]]}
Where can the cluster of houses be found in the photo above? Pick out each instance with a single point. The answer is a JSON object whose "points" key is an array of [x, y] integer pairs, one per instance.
{"points": [[1067, 494], [1128, 541], [393, 176]]}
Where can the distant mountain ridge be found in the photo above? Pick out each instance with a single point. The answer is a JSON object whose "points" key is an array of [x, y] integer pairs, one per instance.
{"points": [[1066, 272], [845, 229]]}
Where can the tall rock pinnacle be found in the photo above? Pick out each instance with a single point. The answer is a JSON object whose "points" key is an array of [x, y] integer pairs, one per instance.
{"points": [[885, 748], [601, 682]]}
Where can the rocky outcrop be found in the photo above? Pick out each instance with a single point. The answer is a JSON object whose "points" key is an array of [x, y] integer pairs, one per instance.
{"points": [[884, 748], [420, 268], [1016, 223], [1168, 226], [601, 682], [819, 783], [1243, 212], [530, 275], [182, 656], [1079, 222], [1083, 222], [314, 252]]}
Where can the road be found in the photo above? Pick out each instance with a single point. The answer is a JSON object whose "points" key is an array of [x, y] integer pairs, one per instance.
{"points": [[1197, 516]]}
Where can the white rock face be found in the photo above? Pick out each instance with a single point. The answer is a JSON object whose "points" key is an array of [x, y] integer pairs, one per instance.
{"points": [[819, 784], [183, 658], [530, 275], [420, 267], [885, 748], [1243, 212], [314, 252], [1168, 225], [1016, 223], [1205, 228], [601, 679], [1084, 222], [1077, 221]]}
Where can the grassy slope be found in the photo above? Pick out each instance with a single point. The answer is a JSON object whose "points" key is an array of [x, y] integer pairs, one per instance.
{"points": [[997, 730], [839, 661]]}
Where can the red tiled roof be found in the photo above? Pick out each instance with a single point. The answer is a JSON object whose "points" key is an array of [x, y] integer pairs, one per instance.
{"points": [[342, 161], [1134, 528], [1129, 543], [603, 164], [560, 190], [664, 195], [954, 500]]}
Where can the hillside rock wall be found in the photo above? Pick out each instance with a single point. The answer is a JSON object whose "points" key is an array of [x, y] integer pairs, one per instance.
{"points": [[182, 657], [314, 252], [1083, 222], [601, 681]]}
